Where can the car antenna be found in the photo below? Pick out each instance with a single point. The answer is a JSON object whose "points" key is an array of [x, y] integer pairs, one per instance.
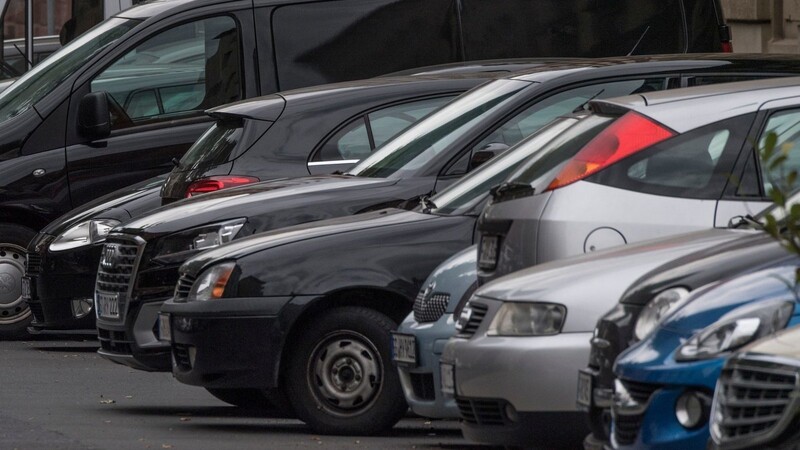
{"points": [[580, 107], [639, 41]]}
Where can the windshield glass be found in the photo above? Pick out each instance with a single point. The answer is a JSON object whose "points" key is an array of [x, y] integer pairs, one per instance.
{"points": [[44, 77], [469, 191], [417, 146]]}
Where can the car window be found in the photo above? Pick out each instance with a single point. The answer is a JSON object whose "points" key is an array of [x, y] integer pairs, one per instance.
{"points": [[703, 80], [360, 137], [179, 72], [786, 126]]}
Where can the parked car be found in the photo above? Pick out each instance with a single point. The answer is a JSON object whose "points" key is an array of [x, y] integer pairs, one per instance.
{"points": [[418, 343], [761, 378], [70, 131], [536, 324], [288, 134], [665, 383]]}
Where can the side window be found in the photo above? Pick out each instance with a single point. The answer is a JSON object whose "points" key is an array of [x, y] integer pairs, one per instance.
{"points": [[786, 126], [177, 73], [703, 80], [539, 114], [697, 164], [360, 137]]}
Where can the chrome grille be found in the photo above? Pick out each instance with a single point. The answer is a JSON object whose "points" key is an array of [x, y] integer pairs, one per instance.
{"points": [[429, 308], [117, 269], [185, 283], [33, 264], [478, 312], [753, 399]]}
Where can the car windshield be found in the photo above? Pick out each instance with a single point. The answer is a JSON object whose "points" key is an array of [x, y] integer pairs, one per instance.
{"points": [[417, 146], [44, 77], [462, 196]]}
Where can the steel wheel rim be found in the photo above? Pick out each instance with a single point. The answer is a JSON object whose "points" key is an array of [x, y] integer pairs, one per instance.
{"points": [[345, 373], [12, 268]]}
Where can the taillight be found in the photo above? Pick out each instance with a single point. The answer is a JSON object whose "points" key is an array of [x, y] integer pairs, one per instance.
{"points": [[212, 184], [725, 38], [626, 136], [727, 47]]}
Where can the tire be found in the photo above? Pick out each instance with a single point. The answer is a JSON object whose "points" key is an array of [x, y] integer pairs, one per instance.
{"points": [[340, 376], [15, 316]]}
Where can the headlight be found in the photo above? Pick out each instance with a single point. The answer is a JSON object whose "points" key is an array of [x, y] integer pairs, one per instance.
{"points": [[660, 307], [84, 233], [736, 329], [179, 247], [212, 282], [528, 319]]}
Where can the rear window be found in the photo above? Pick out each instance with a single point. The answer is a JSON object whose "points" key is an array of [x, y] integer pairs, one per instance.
{"points": [[223, 142]]}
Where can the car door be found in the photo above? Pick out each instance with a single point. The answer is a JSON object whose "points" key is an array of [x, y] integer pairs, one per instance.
{"points": [[157, 90]]}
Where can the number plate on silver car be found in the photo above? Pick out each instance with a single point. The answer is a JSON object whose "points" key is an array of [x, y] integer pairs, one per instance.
{"points": [[107, 305], [404, 349]]}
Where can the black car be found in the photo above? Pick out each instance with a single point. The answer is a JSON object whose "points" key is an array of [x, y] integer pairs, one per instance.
{"points": [[289, 134], [651, 298], [424, 159]]}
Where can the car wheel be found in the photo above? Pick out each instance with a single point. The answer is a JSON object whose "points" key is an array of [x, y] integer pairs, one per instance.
{"points": [[15, 316], [340, 377]]}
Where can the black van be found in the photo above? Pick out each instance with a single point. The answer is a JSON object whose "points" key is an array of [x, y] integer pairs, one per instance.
{"points": [[119, 103]]}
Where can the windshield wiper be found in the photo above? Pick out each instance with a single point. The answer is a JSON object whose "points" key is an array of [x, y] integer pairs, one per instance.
{"points": [[427, 204], [511, 187], [748, 220]]}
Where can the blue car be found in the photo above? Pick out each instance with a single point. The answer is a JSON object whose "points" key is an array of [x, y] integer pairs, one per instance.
{"points": [[665, 384], [420, 339]]}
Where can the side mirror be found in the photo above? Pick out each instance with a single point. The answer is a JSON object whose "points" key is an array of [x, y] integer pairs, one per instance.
{"points": [[94, 119], [486, 153]]}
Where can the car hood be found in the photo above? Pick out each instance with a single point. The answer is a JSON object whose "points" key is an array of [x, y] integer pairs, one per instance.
{"points": [[589, 285], [457, 276], [785, 344], [120, 205], [259, 202]]}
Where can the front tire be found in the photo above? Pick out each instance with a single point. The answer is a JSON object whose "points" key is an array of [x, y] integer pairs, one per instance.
{"points": [[15, 316], [340, 375]]}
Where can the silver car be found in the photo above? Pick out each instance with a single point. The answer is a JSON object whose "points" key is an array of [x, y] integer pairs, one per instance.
{"points": [[666, 163], [513, 365]]}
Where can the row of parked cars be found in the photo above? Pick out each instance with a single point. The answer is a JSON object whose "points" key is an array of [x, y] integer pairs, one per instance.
{"points": [[521, 243]]}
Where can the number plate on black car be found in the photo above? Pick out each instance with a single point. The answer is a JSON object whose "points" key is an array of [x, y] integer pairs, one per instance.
{"points": [[404, 349], [108, 306], [164, 330], [26, 288], [584, 389], [487, 259]]}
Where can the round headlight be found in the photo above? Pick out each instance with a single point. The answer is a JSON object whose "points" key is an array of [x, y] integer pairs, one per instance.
{"points": [[657, 309]]}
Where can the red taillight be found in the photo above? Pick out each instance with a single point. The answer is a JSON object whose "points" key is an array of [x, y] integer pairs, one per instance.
{"points": [[628, 135], [212, 184], [727, 47]]}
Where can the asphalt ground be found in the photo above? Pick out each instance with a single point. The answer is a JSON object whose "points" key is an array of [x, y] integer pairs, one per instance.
{"points": [[59, 394]]}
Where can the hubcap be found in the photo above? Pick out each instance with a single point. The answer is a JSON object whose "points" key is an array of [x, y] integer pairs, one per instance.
{"points": [[345, 373], [12, 268]]}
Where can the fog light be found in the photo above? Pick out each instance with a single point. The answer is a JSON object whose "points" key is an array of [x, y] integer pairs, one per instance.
{"points": [[511, 413], [81, 307], [691, 409]]}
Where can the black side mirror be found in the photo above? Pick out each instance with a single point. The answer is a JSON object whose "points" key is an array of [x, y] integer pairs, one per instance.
{"points": [[94, 119], [486, 153]]}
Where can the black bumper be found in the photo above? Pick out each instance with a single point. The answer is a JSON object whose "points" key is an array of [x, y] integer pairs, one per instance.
{"points": [[118, 340]]}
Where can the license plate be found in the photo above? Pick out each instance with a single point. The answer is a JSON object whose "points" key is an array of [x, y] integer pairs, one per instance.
{"points": [[26, 288], [584, 389], [448, 377], [488, 254], [164, 330], [108, 306], [404, 349]]}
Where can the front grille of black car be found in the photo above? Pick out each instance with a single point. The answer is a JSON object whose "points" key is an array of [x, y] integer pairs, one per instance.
{"points": [[423, 386], [429, 308], [114, 341], [37, 310], [478, 313], [752, 399], [627, 426], [181, 354], [185, 283], [487, 412], [118, 278], [33, 264]]}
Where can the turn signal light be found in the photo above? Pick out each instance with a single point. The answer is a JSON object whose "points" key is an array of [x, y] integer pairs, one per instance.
{"points": [[212, 184], [630, 134]]}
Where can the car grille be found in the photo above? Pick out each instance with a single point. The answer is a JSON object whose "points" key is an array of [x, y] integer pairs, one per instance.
{"points": [[33, 264], [478, 313], [627, 426], [422, 384], [429, 308], [181, 354], [752, 399], [114, 341], [118, 277], [185, 283], [481, 411]]}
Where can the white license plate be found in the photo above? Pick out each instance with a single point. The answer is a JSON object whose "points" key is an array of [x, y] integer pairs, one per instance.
{"points": [[584, 389], [404, 349], [488, 254], [448, 376], [107, 305], [26, 288], [164, 330]]}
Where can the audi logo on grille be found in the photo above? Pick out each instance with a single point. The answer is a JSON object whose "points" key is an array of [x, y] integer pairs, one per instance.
{"points": [[110, 257]]}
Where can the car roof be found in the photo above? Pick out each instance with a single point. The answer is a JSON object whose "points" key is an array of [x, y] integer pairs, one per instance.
{"points": [[709, 103]]}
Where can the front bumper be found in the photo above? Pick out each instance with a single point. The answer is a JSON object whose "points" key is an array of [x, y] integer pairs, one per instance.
{"points": [[421, 384], [135, 342]]}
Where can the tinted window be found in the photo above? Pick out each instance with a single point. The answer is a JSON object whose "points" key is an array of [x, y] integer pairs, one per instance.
{"points": [[702, 80], [516, 28], [786, 126], [181, 71], [223, 142], [320, 42]]}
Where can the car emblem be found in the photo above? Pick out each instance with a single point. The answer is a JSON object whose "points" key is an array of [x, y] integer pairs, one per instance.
{"points": [[6, 282], [426, 294], [110, 257]]}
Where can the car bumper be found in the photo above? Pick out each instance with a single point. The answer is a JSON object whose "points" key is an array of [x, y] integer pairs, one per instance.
{"points": [[422, 384], [135, 343]]}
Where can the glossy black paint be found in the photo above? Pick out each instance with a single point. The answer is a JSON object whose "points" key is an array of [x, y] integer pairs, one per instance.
{"points": [[615, 330], [379, 260]]}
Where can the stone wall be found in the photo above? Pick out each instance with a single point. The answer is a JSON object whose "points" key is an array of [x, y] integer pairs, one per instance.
{"points": [[763, 26]]}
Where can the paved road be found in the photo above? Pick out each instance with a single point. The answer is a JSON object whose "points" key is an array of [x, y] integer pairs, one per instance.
{"points": [[61, 395]]}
